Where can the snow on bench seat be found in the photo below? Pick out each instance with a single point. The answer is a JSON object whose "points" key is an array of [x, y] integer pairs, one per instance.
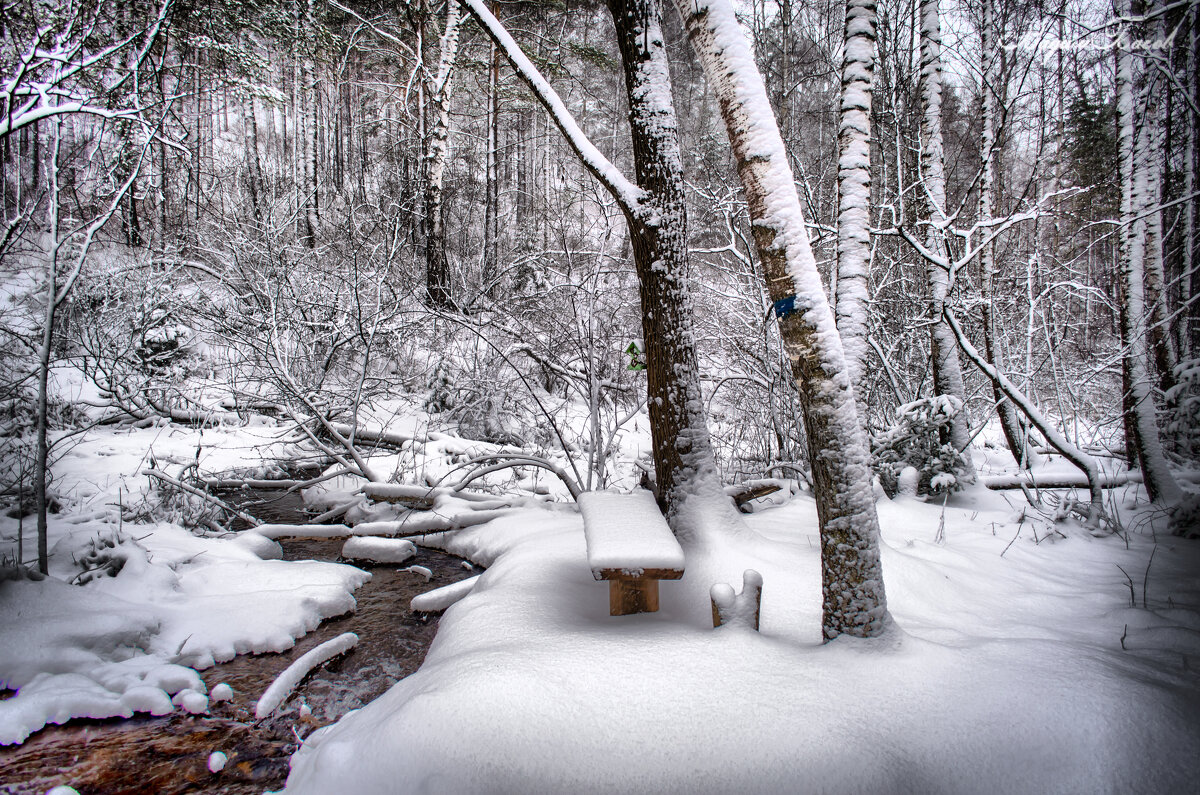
{"points": [[630, 545]]}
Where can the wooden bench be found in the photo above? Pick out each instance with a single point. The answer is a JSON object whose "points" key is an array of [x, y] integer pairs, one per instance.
{"points": [[630, 545]]}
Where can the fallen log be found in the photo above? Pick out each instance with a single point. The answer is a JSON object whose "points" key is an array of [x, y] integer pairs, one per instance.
{"points": [[1063, 481], [419, 497], [426, 523]]}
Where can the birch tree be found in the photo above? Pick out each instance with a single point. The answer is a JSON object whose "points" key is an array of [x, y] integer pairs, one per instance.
{"points": [[1141, 419], [1149, 146], [437, 265], [307, 127], [947, 372], [854, 193], [853, 599]]}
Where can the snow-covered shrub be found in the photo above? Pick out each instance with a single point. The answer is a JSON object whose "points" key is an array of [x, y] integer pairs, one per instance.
{"points": [[1184, 401], [162, 342], [1185, 516], [920, 438], [442, 391], [104, 555]]}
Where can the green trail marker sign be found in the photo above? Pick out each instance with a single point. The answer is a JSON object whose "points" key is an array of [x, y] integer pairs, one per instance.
{"points": [[636, 360]]}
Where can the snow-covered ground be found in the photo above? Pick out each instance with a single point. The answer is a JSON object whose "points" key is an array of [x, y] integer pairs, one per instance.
{"points": [[1019, 660], [1024, 654]]}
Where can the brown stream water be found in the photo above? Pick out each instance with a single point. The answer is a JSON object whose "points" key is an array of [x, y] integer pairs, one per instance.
{"points": [[170, 754]]}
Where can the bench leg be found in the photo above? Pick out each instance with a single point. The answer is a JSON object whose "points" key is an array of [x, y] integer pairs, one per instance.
{"points": [[626, 597]]}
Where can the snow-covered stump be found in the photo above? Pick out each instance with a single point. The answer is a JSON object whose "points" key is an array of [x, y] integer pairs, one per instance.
{"points": [[287, 681], [738, 609]]}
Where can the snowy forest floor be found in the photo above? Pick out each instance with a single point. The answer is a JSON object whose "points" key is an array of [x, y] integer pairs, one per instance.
{"points": [[1020, 660], [1025, 654]]}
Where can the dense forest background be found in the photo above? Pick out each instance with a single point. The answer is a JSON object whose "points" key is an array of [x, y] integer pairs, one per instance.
{"points": [[319, 205]]}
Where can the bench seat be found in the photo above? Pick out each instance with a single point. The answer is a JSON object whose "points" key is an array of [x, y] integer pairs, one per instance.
{"points": [[630, 545]]}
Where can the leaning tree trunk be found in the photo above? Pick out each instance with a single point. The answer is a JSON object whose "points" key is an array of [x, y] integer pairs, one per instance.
{"points": [[947, 372], [437, 265], [854, 193], [1139, 399], [853, 601], [1009, 423]]}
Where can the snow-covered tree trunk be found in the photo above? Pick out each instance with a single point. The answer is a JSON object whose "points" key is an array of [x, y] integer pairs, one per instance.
{"points": [[658, 230], [1149, 154], [1188, 326], [437, 265], [308, 126], [854, 193], [1011, 426], [852, 583], [947, 372], [1139, 398], [491, 207]]}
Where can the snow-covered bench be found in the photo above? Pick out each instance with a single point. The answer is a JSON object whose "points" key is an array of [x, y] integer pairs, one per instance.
{"points": [[630, 545]]}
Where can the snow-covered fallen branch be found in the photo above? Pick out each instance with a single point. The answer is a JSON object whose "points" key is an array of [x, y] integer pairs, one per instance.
{"points": [[287, 681], [513, 460], [428, 522], [360, 434], [204, 495], [422, 497], [1056, 440], [439, 599], [378, 550], [1002, 482]]}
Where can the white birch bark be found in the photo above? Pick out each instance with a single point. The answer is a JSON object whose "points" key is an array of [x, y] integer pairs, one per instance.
{"points": [[854, 193], [947, 372], [1150, 145], [853, 596], [308, 127], [437, 266], [1139, 400]]}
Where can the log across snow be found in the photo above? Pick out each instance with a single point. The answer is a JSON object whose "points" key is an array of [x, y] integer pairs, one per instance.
{"points": [[303, 530], [287, 681], [627, 533]]}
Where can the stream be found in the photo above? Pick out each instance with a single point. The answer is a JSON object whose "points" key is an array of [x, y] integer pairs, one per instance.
{"points": [[169, 754]]}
